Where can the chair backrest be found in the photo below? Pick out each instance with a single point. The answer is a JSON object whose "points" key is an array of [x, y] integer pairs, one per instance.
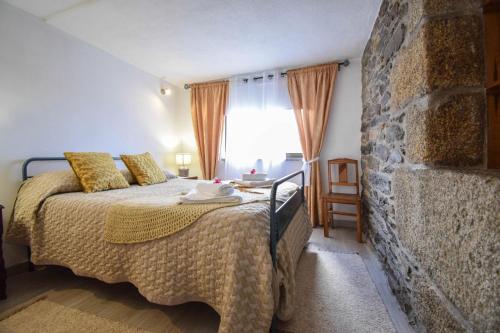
{"points": [[339, 173]]}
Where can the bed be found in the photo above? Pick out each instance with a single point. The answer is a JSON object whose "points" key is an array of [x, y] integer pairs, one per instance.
{"points": [[240, 260]]}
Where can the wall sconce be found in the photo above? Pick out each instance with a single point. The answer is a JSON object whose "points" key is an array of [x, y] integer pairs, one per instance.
{"points": [[166, 91], [183, 159]]}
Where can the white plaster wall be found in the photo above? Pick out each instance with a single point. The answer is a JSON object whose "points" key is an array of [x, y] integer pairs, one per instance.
{"points": [[59, 94], [184, 141], [343, 136]]}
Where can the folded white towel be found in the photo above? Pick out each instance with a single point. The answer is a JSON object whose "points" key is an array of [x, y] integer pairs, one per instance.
{"points": [[195, 197], [254, 176], [214, 190], [257, 183]]}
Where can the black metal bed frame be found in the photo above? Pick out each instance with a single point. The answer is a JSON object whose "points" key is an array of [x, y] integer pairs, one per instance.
{"points": [[279, 218], [44, 159]]}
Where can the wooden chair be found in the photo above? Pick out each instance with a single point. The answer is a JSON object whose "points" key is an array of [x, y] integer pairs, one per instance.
{"points": [[338, 175]]}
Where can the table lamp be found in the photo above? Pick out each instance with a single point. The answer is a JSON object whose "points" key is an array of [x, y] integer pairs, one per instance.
{"points": [[183, 159]]}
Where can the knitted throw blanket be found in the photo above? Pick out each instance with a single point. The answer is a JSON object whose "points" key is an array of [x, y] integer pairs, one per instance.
{"points": [[144, 219]]}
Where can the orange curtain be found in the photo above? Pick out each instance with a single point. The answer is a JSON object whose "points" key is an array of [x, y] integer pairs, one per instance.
{"points": [[208, 106], [311, 92]]}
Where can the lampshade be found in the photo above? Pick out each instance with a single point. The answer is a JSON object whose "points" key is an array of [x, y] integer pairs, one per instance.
{"points": [[183, 159]]}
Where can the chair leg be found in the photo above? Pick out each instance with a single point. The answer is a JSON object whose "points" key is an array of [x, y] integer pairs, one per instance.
{"points": [[330, 216], [358, 223], [325, 218]]}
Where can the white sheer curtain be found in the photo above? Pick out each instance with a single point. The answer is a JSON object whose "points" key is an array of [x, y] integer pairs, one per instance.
{"points": [[260, 126]]}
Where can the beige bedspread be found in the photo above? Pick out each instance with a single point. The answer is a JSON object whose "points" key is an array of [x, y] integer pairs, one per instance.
{"points": [[223, 259]]}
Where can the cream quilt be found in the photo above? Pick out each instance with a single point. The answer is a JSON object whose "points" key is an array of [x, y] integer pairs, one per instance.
{"points": [[222, 259]]}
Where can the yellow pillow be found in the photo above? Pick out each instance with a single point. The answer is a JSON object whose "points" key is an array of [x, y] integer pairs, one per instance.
{"points": [[96, 171], [144, 169]]}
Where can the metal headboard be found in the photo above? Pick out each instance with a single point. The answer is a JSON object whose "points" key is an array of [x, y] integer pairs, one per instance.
{"points": [[44, 159]]}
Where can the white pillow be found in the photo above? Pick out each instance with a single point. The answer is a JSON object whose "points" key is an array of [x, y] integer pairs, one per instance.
{"points": [[170, 174]]}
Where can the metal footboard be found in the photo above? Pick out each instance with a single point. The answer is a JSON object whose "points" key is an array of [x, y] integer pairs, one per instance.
{"points": [[280, 219]]}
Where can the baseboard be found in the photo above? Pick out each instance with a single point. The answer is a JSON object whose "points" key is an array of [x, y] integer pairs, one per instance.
{"points": [[17, 269]]}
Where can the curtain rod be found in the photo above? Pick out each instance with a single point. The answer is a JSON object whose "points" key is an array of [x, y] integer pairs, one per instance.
{"points": [[344, 63]]}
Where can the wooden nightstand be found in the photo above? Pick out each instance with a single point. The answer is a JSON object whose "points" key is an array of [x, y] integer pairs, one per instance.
{"points": [[190, 177], [3, 273]]}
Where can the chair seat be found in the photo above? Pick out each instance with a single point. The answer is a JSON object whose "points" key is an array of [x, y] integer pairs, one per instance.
{"points": [[341, 197]]}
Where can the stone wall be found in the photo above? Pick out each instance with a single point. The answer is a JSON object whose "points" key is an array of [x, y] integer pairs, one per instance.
{"points": [[434, 224], [448, 222]]}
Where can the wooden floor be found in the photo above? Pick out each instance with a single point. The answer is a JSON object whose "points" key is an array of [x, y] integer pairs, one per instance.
{"points": [[122, 302]]}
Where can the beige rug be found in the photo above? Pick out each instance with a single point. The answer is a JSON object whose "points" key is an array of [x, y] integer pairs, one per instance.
{"points": [[44, 316], [335, 294]]}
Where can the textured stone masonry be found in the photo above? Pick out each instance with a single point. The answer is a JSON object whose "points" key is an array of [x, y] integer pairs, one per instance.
{"points": [[459, 253], [423, 115], [446, 53], [449, 133]]}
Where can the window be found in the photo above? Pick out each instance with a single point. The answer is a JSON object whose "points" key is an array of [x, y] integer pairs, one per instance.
{"points": [[260, 126]]}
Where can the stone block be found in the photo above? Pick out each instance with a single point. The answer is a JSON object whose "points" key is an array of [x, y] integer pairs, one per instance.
{"points": [[446, 53], [394, 133], [454, 52], [430, 309], [370, 162], [380, 182], [415, 12], [382, 152], [449, 133], [395, 41], [448, 220], [408, 79], [440, 7], [379, 120], [373, 133], [432, 8], [364, 138], [367, 149], [395, 157]]}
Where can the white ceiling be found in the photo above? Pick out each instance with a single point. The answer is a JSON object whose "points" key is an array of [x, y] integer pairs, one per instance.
{"points": [[197, 40]]}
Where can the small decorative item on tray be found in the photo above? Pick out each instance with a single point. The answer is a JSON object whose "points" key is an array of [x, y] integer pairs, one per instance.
{"points": [[254, 183]]}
